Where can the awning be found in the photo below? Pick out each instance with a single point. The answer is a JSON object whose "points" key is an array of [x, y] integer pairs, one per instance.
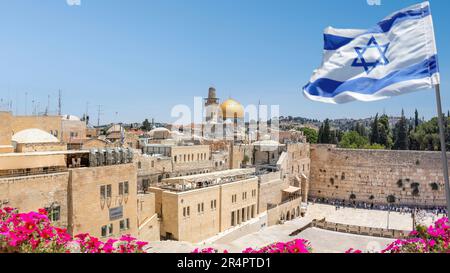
{"points": [[292, 189]]}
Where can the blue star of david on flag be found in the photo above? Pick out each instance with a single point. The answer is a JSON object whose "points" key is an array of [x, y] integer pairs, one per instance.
{"points": [[360, 61], [396, 56]]}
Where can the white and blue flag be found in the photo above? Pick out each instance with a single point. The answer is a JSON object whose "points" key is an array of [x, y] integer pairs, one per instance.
{"points": [[395, 57]]}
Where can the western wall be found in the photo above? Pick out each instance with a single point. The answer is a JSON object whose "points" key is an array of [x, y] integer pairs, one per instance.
{"points": [[377, 176]]}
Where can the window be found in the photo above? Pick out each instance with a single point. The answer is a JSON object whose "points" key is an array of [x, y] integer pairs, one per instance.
{"points": [[125, 224], [103, 192], [153, 164], [104, 231], [234, 198], [108, 191], [184, 212], [201, 207], [139, 165], [54, 213], [188, 211], [244, 195], [107, 230], [123, 188], [213, 204]]}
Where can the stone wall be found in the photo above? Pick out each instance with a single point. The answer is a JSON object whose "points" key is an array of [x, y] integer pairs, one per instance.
{"points": [[50, 124], [285, 211], [374, 176], [89, 211], [5, 132], [30, 193], [270, 190]]}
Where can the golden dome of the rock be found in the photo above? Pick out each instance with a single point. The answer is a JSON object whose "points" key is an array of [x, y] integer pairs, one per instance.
{"points": [[232, 109]]}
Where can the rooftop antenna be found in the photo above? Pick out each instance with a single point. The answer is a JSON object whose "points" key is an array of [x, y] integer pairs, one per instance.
{"points": [[59, 102], [33, 108], [48, 106], [86, 114], [99, 113]]}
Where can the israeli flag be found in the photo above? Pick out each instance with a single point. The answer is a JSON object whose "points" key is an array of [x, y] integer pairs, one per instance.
{"points": [[395, 57]]}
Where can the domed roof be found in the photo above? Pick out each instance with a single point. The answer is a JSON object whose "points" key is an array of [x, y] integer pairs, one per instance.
{"points": [[231, 109], [71, 117], [34, 136], [160, 129]]}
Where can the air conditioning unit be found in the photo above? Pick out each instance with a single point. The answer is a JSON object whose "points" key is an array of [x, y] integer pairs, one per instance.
{"points": [[109, 157], [93, 161], [101, 158], [123, 156]]}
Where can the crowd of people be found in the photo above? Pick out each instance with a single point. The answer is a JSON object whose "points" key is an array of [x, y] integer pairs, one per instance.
{"points": [[436, 210]]}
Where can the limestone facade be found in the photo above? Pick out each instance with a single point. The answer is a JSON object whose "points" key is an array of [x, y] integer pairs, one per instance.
{"points": [[102, 197], [377, 176], [199, 213]]}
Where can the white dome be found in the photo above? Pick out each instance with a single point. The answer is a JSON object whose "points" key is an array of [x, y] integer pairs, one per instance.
{"points": [[71, 117], [161, 129], [34, 136]]}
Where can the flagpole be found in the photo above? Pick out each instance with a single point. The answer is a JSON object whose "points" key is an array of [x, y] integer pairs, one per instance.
{"points": [[437, 88]]}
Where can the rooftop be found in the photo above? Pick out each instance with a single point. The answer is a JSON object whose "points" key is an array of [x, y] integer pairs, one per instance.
{"points": [[198, 181], [34, 136]]}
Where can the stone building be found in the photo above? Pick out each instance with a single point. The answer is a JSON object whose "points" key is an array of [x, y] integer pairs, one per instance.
{"points": [[85, 191], [194, 208]]}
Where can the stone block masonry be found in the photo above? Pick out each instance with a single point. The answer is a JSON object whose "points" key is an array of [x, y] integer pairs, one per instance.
{"points": [[411, 178]]}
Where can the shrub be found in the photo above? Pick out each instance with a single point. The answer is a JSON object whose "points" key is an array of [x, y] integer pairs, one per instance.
{"points": [[434, 186], [434, 239], [33, 233], [391, 199]]}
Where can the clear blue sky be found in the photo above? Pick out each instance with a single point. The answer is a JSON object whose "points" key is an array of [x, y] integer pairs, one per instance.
{"points": [[141, 57]]}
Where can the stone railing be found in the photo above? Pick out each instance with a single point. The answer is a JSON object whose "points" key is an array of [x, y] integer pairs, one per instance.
{"points": [[360, 230], [268, 177]]}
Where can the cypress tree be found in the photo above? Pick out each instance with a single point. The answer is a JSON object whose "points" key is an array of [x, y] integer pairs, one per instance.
{"points": [[416, 120], [375, 134], [401, 136], [320, 135], [326, 132]]}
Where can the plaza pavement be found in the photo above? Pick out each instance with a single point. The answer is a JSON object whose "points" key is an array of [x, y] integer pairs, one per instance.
{"points": [[323, 241]]}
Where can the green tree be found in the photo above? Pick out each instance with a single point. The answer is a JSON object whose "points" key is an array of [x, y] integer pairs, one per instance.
{"points": [[353, 140], [375, 131], [401, 134], [416, 119], [360, 128], [311, 135], [320, 134], [146, 125], [384, 133], [326, 133]]}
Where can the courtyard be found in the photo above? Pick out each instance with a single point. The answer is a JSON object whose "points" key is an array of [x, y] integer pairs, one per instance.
{"points": [[323, 241]]}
